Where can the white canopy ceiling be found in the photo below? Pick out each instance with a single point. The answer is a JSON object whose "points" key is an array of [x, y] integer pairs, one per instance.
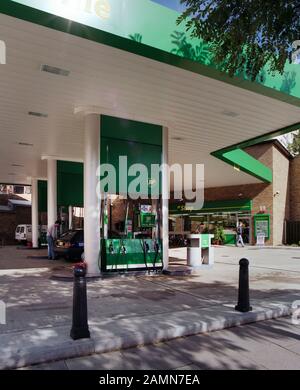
{"points": [[203, 114]]}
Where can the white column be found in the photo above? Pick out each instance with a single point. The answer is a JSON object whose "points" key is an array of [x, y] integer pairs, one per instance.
{"points": [[34, 213], [165, 199], [70, 217], [52, 191], [91, 201]]}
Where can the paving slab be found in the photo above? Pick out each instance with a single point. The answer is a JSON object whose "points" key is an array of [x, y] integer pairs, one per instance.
{"points": [[46, 345], [235, 348], [106, 361], [126, 311]]}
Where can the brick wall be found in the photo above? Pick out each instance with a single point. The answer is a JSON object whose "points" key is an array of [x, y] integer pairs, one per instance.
{"points": [[7, 227], [260, 193], [281, 201], [295, 189], [265, 154], [9, 220], [278, 206]]}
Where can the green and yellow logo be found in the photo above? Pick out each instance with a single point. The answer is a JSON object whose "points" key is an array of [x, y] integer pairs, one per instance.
{"points": [[100, 8]]}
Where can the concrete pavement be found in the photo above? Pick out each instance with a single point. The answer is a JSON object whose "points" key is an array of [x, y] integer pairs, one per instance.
{"points": [[129, 311], [268, 345]]}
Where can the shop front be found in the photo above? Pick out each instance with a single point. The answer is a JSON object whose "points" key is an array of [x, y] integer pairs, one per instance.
{"points": [[219, 218]]}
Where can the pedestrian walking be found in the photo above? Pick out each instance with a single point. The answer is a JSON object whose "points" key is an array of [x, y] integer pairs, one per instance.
{"points": [[51, 237], [239, 235]]}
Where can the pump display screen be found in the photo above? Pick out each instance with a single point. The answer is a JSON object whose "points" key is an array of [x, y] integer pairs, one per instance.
{"points": [[147, 220]]}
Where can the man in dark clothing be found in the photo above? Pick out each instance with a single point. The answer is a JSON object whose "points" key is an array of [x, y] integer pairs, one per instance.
{"points": [[239, 235], [51, 237]]}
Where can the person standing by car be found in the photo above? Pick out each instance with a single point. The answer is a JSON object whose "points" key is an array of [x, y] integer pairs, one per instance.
{"points": [[239, 235], [51, 237]]}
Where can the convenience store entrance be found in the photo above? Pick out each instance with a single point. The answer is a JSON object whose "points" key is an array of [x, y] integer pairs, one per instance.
{"points": [[218, 218], [247, 226]]}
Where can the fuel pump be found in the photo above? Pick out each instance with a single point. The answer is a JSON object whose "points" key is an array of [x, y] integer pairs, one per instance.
{"points": [[123, 248], [134, 244], [145, 248], [111, 248], [156, 250]]}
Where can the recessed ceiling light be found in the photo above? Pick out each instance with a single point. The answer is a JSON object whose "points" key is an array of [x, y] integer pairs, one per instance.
{"points": [[55, 70], [178, 138], [38, 114], [24, 144], [231, 114], [17, 165]]}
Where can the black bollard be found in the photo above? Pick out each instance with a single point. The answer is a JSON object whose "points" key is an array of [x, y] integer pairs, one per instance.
{"points": [[80, 327], [244, 299]]}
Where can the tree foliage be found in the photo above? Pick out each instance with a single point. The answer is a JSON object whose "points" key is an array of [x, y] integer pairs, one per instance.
{"points": [[294, 146], [200, 53], [245, 35]]}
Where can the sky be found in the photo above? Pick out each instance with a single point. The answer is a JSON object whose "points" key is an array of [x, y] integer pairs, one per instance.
{"points": [[174, 4]]}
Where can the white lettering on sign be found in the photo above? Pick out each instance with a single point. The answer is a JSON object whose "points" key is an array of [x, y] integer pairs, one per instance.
{"points": [[100, 8]]}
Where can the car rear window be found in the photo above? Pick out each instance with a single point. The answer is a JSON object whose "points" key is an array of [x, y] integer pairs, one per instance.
{"points": [[79, 236], [68, 235]]}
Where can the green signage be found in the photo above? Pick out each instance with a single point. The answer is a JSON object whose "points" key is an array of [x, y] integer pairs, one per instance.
{"points": [[151, 24], [262, 225], [140, 20], [42, 195], [228, 206], [139, 143], [246, 163], [69, 184], [147, 220]]}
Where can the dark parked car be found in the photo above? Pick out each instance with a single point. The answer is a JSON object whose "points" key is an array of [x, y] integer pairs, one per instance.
{"points": [[70, 245], [177, 241]]}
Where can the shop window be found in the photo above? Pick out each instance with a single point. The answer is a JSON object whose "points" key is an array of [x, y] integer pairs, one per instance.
{"points": [[187, 224], [19, 190]]}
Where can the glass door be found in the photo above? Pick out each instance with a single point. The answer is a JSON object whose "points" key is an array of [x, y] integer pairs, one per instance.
{"points": [[247, 228]]}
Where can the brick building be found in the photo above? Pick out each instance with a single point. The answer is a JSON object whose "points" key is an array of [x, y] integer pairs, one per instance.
{"points": [[270, 203], [14, 211], [278, 202], [295, 190]]}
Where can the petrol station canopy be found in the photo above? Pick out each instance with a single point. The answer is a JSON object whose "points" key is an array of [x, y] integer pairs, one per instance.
{"points": [[129, 59]]}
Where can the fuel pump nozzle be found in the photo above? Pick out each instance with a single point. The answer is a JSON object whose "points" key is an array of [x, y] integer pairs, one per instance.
{"points": [[145, 248], [111, 248], [156, 250], [123, 249]]}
